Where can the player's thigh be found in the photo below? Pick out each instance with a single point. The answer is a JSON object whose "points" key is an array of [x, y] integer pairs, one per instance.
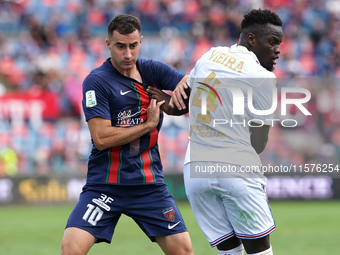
{"points": [[76, 241], [176, 244], [207, 207], [229, 244], [256, 245], [247, 207]]}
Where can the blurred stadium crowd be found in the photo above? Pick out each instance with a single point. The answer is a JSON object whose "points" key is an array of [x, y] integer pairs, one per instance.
{"points": [[47, 47]]}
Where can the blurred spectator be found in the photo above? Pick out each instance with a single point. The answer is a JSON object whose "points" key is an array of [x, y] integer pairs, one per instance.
{"points": [[8, 162]]}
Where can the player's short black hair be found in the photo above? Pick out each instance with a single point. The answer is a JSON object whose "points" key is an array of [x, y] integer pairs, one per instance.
{"points": [[256, 18], [124, 24]]}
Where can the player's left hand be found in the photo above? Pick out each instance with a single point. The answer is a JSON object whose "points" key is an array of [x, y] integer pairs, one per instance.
{"points": [[153, 112]]}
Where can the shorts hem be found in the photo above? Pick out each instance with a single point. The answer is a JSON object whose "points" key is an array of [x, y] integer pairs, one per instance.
{"points": [[99, 239], [256, 236], [221, 239], [152, 237]]}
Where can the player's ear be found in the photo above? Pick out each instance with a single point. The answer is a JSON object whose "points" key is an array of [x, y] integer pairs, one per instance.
{"points": [[141, 38], [251, 38], [108, 43]]}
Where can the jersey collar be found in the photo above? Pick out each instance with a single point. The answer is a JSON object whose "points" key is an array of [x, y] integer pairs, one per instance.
{"points": [[240, 48], [111, 68]]}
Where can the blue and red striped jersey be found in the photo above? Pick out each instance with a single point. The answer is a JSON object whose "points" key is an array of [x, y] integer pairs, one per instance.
{"points": [[110, 95]]}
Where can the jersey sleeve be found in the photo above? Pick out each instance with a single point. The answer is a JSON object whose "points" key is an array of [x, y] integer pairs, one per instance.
{"points": [[95, 98], [263, 100], [191, 78], [164, 76]]}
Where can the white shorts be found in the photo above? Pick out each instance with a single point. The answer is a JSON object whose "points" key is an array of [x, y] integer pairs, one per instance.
{"points": [[229, 204]]}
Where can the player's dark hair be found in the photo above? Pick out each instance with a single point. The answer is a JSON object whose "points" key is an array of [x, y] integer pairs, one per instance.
{"points": [[257, 18], [123, 24]]}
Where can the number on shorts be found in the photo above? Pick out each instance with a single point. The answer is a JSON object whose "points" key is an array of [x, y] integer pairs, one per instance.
{"points": [[93, 214]]}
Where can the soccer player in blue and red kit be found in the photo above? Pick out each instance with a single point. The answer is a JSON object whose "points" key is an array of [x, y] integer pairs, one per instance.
{"points": [[125, 173]]}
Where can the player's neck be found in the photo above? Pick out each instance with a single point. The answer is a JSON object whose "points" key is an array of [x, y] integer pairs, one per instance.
{"points": [[132, 73], [243, 44]]}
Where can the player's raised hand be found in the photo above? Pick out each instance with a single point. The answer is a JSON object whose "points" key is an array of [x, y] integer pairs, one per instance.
{"points": [[154, 111], [177, 96]]}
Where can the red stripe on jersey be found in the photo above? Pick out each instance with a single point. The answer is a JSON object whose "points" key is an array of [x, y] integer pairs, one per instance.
{"points": [[147, 161], [146, 157], [145, 101], [153, 137], [114, 164], [147, 166]]}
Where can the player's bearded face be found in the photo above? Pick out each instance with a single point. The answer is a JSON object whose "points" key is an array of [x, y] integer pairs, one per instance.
{"points": [[125, 49], [267, 48]]}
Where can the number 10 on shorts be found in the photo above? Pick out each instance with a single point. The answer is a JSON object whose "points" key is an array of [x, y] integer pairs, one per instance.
{"points": [[93, 214]]}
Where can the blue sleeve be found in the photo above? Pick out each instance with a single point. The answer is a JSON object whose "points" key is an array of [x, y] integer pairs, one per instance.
{"points": [[95, 98], [161, 75]]}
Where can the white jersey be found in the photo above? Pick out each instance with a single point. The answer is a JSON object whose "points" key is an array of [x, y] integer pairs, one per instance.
{"points": [[220, 117]]}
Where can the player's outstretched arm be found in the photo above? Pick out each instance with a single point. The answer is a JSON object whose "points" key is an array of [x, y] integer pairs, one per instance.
{"points": [[159, 95], [259, 136], [105, 136]]}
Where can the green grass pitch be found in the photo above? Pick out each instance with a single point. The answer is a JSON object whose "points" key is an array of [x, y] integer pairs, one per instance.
{"points": [[303, 227]]}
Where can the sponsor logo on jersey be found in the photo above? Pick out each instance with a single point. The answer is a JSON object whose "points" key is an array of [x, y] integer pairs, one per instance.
{"points": [[126, 119], [169, 213]]}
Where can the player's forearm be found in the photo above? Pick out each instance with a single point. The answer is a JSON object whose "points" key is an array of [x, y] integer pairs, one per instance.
{"points": [[116, 136], [159, 95], [174, 111]]}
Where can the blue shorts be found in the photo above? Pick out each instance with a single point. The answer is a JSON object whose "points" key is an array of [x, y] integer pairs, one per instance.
{"points": [[151, 206]]}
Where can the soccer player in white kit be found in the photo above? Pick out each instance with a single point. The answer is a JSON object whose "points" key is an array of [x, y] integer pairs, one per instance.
{"points": [[231, 96]]}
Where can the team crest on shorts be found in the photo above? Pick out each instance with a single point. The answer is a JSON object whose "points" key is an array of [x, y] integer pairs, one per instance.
{"points": [[169, 213]]}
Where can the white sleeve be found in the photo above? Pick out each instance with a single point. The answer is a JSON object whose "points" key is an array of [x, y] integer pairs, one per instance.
{"points": [[191, 78]]}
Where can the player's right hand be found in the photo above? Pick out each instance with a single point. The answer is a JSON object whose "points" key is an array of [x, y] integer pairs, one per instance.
{"points": [[176, 96], [153, 112]]}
